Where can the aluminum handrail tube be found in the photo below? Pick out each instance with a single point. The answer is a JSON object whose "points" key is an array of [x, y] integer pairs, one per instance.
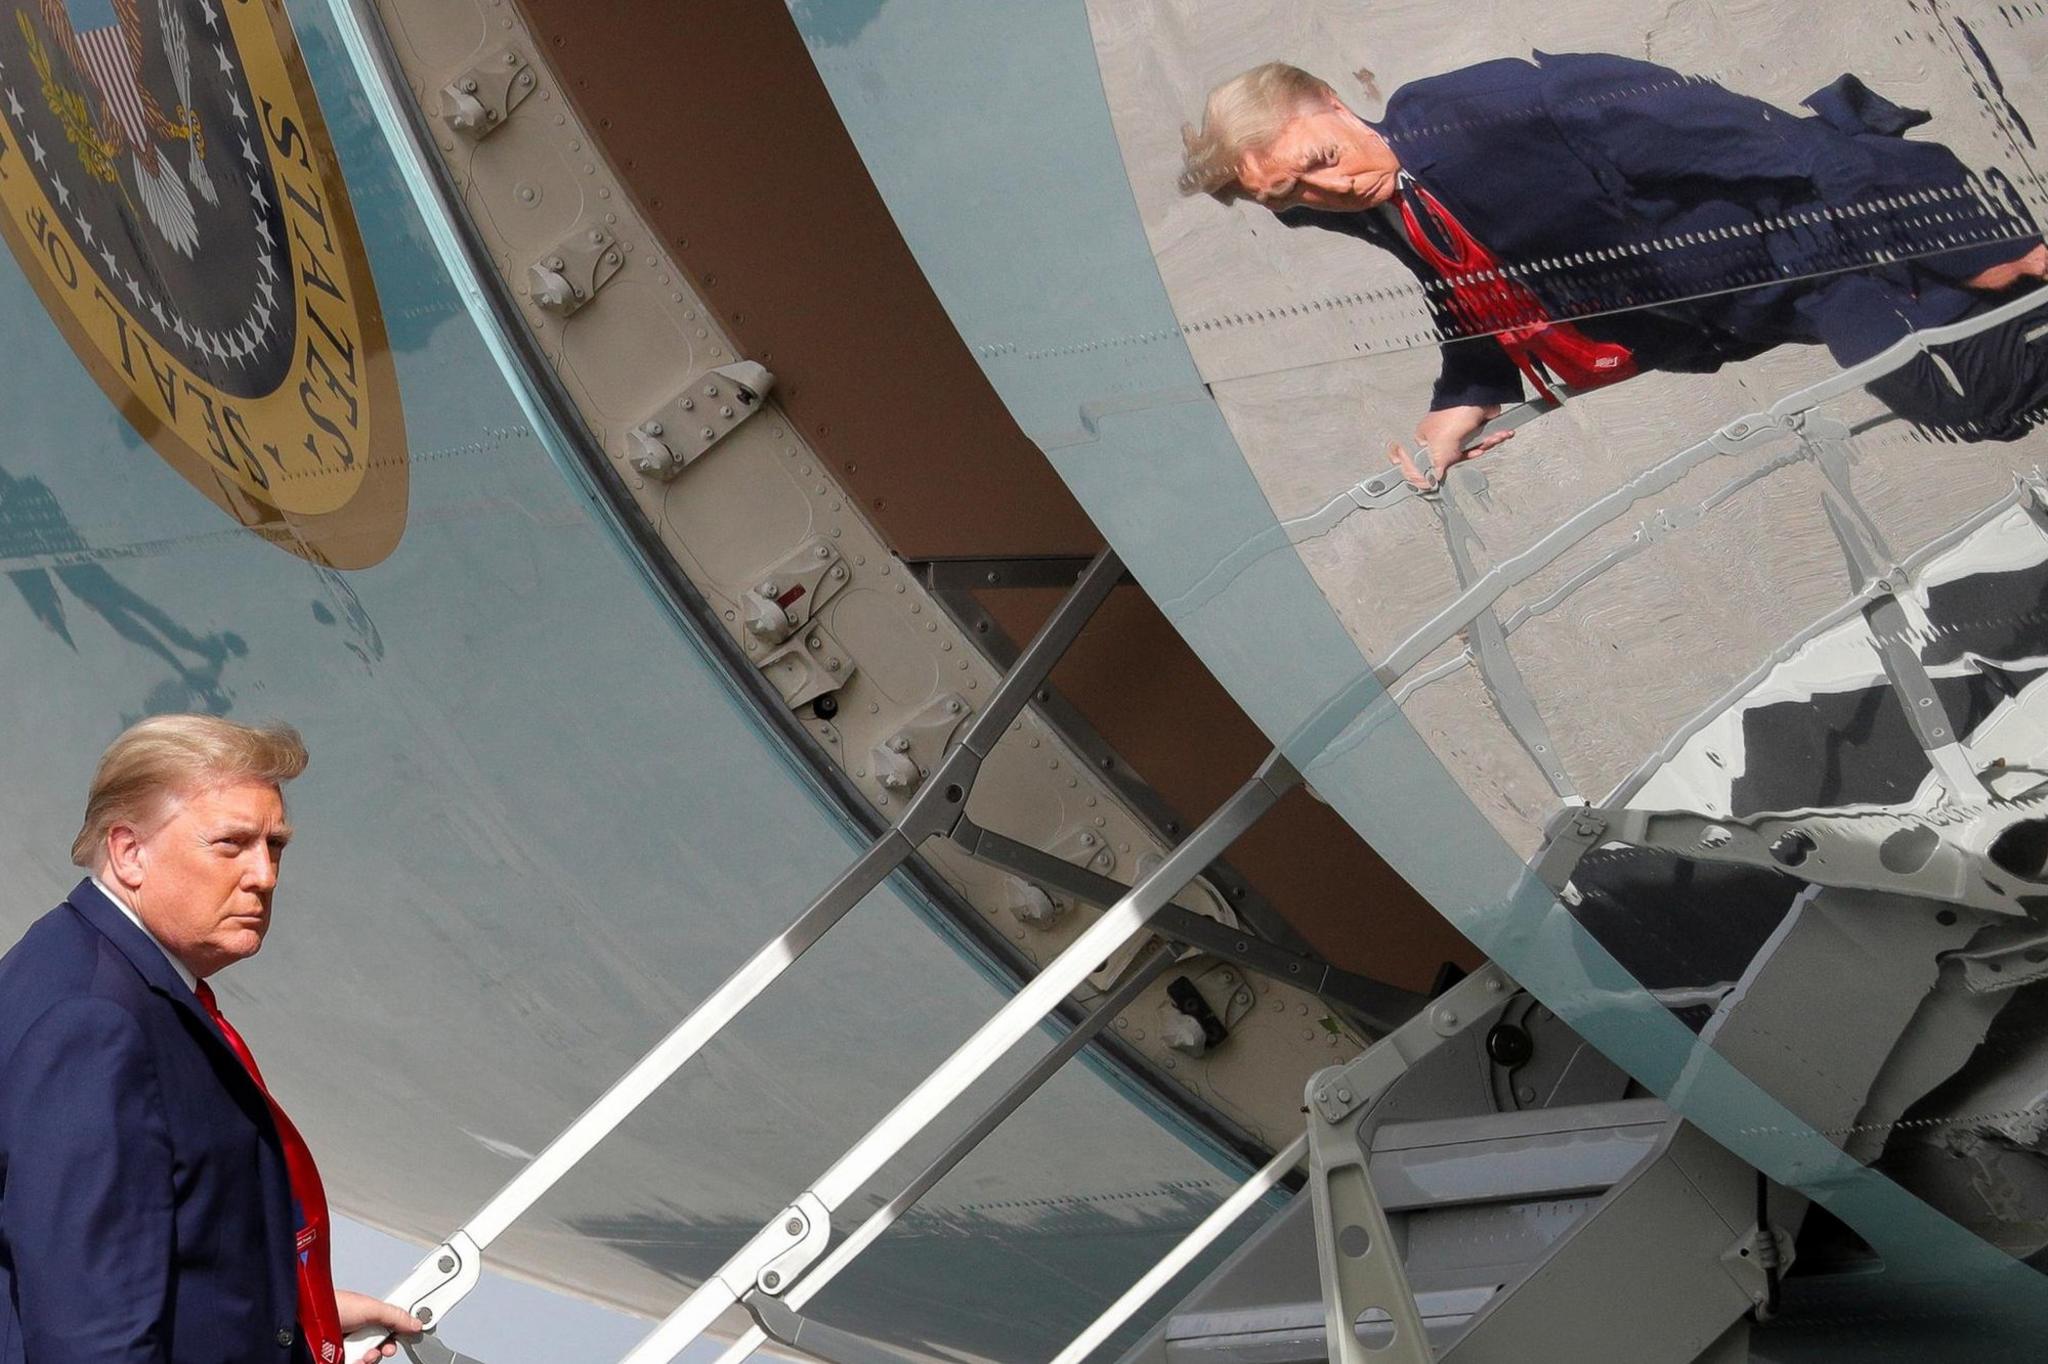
{"points": [[1038, 997], [1144, 972], [1219, 1220]]}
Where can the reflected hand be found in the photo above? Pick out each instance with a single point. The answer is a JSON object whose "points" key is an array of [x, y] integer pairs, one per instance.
{"points": [[1440, 442], [358, 1310], [2033, 265]]}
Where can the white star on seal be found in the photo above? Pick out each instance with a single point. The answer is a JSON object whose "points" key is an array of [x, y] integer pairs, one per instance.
{"points": [[13, 104], [35, 145], [85, 230], [263, 231], [178, 326], [263, 317], [212, 16], [256, 192], [135, 290], [249, 155], [156, 309], [227, 67], [269, 296], [63, 194], [107, 255], [235, 107]]}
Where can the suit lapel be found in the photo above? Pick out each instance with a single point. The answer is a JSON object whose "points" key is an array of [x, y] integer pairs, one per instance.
{"points": [[92, 905]]}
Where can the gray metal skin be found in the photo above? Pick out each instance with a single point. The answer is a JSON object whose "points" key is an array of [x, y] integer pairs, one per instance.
{"points": [[450, 1270], [783, 1251]]}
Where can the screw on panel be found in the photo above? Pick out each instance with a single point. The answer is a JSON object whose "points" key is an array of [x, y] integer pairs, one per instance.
{"points": [[794, 1226], [771, 1280], [446, 1264]]}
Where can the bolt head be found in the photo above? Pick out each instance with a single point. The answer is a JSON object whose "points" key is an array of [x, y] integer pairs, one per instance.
{"points": [[813, 642], [652, 428], [446, 1264], [689, 404], [425, 1315], [468, 87], [770, 1280], [794, 1226]]}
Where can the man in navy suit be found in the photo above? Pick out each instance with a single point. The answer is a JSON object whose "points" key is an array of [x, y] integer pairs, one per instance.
{"points": [[1581, 213], [156, 1206]]}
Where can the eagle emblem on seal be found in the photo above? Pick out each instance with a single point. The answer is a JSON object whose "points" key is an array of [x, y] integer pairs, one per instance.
{"points": [[103, 40]]}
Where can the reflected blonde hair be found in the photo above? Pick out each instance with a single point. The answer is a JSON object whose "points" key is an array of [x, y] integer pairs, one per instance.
{"points": [[1244, 114], [165, 756]]}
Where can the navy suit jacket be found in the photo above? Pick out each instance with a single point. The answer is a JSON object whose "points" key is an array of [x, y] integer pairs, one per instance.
{"points": [[145, 1211], [1691, 224]]}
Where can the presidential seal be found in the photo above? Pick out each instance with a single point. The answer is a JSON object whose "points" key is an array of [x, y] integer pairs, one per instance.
{"points": [[167, 184]]}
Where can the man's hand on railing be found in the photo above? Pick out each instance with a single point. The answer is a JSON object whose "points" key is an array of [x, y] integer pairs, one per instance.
{"points": [[1441, 440], [360, 1310]]}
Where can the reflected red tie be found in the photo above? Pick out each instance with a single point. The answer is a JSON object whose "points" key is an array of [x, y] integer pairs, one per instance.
{"points": [[1488, 299], [319, 1318]]}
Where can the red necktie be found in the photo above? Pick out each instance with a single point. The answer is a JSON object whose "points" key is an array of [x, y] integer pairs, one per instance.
{"points": [[319, 1318], [1487, 300]]}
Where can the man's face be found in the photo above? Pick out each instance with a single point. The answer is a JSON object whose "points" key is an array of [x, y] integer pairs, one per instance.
{"points": [[1326, 158], [202, 881]]}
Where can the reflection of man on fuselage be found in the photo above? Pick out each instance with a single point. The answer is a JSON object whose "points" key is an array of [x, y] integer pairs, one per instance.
{"points": [[1580, 218]]}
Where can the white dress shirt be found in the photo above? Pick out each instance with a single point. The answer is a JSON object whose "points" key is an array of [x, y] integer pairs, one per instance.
{"points": [[184, 971]]}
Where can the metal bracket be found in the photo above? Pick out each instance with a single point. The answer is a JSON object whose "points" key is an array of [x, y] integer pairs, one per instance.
{"points": [[704, 412], [1756, 1260], [785, 598], [1358, 1260], [569, 274], [809, 666], [801, 1232], [1983, 857], [2014, 955], [439, 1281], [1380, 1006], [905, 758], [477, 102], [1573, 831]]}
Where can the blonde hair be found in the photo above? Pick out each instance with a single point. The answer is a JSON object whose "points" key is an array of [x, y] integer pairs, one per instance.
{"points": [[1244, 114], [168, 755]]}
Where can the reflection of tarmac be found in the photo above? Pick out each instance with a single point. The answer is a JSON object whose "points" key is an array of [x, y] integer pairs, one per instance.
{"points": [[32, 524]]}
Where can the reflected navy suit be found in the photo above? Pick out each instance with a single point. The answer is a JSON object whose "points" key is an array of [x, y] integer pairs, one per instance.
{"points": [[1698, 226], [145, 1212]]}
